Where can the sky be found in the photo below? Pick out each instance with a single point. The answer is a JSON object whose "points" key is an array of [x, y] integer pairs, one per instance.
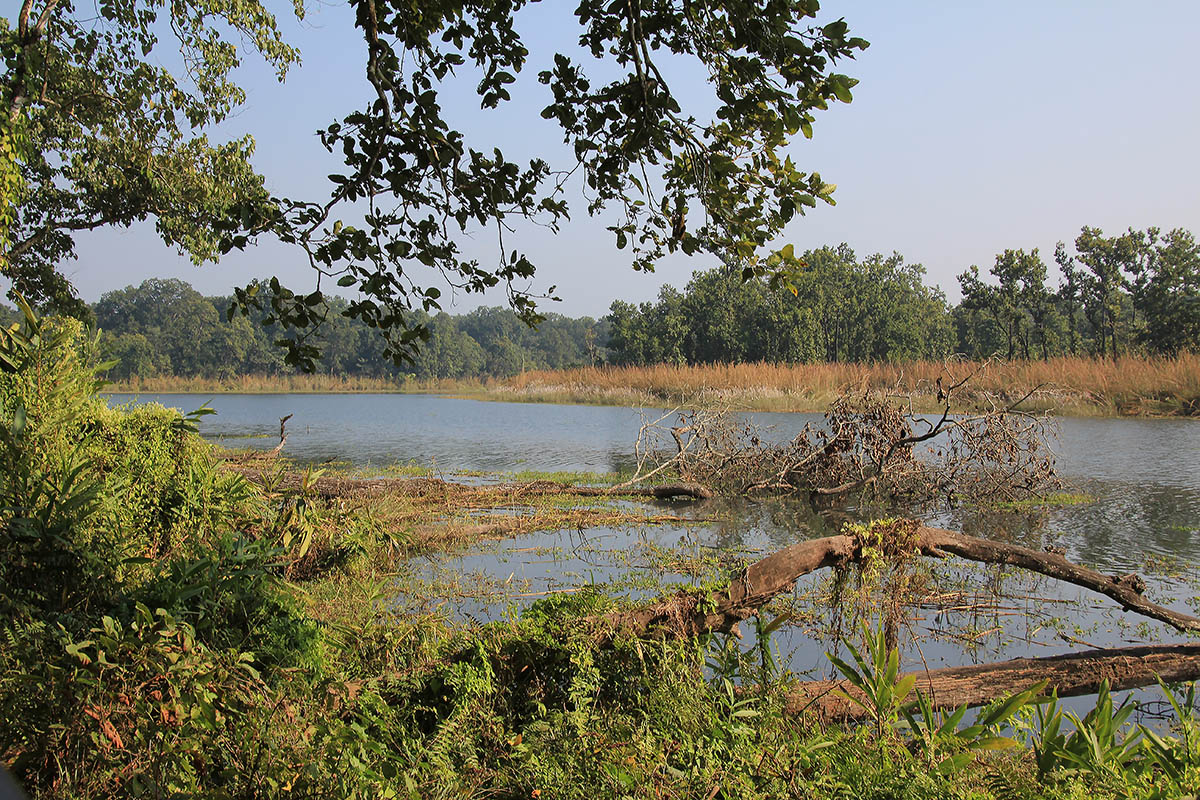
{"points": [[975, 127]]}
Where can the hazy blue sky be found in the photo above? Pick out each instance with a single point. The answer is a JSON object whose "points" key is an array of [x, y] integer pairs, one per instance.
{"points": [[975, 127]]}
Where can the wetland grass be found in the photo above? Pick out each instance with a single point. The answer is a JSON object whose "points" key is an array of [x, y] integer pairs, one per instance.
{"points": [[1066, 385]]}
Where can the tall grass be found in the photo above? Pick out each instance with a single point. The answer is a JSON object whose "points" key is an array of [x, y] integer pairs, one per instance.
{"points": [[285, 384], [1129, 385]]}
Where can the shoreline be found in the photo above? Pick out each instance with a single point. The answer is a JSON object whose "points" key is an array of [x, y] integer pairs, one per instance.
{"points": [[1081, 387]]}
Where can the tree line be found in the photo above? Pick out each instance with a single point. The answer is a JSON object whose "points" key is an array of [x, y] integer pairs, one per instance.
{"points": [[1137, 292], [166, 327]]}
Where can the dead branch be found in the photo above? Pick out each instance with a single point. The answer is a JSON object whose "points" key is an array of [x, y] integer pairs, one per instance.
{"points": [[643, 451], [686, 614], [282, 435], [1070, 675], [1125, 589]]}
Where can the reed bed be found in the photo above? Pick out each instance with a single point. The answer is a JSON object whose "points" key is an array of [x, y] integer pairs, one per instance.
{"points": [[1073, 385], [285, 384]]}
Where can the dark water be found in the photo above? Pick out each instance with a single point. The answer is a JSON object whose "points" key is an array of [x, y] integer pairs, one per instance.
{"points": [[1143, 478]]}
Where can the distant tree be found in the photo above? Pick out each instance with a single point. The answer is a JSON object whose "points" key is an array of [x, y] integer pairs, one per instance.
{"points": [[1166, 292], [449, 352], [1106, 262], [1070, 293], [719, 307], [135, 356]]}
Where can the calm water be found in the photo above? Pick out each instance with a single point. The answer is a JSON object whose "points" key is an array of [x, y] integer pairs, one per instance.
{"points": [[1144, 476]]}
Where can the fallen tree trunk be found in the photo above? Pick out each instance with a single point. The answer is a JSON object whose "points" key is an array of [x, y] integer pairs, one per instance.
{"points": [[1070, 675], [686, 613], [1125, 589], [665, 491]]}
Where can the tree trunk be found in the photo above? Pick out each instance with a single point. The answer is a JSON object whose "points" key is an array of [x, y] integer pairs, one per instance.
{"points": [[686, 613], [1069, 675]]}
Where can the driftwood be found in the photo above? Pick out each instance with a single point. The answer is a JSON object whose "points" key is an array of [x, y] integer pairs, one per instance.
{"points": [[277, 449], [666, 491], [685, 614], [1069, 675]]}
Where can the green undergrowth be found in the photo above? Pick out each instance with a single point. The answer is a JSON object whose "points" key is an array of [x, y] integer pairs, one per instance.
{"points": [[168, 629]]}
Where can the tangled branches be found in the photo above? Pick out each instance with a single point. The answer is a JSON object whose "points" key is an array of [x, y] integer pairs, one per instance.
{"points": [[870, 443]]}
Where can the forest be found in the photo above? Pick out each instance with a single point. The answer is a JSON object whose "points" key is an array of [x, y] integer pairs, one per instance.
{"points": [[1132, 293]]}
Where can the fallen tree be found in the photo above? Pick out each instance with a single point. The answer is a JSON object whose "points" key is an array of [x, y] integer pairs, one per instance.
{"points": [[869, 441], [1069, 675], [688, 613]]}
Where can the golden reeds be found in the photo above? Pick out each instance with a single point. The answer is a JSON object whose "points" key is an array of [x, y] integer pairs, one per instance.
{"points": [[1066, 384]]}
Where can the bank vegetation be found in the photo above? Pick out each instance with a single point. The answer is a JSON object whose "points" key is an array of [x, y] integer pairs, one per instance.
{"points": [[1128, 385]]}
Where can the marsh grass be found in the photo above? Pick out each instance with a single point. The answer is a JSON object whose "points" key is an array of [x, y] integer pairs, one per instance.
{"points": [[1052, 500], [286, 384], [1084, 386]]}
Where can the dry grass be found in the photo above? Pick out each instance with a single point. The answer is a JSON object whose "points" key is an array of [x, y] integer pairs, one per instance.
{"points": [[1130, 385], [284, 384]]}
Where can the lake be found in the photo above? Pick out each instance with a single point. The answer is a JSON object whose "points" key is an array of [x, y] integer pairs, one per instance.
{"points": [[1142, 475]]}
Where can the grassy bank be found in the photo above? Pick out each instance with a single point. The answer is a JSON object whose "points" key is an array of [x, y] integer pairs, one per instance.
{"points": [[1076, 386], [1129, 386]]}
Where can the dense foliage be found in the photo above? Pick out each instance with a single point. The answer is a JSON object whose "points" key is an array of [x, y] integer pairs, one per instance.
{"points": [[165, 327], [1137, 292], [843, 309]]}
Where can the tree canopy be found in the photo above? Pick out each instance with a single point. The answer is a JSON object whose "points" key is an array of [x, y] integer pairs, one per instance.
{"points": [[96, 132]]}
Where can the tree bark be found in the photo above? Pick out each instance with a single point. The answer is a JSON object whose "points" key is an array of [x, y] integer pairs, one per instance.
{"points": [[1125, 589], [1070, 675]]}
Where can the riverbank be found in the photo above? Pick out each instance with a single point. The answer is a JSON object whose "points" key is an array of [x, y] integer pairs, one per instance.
{"points": [[1128, 386]]}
